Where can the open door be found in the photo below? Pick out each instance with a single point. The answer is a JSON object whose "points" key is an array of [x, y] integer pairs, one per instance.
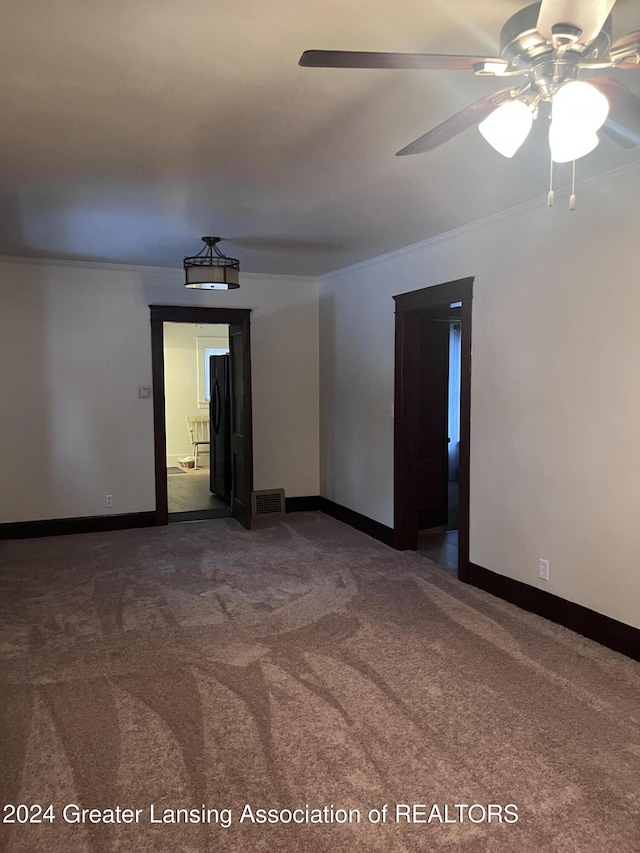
{"points": [[220, 427], [432, 440], [422, 451], [241, 443]]}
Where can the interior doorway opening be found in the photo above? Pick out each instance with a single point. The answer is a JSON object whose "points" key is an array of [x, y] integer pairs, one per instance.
{"points": [[197, 411], [440, 541], [432, 423], [201, 359]]}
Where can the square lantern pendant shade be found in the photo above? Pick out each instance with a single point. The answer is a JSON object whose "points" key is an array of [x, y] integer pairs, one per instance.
{"points": [[210, 269]]}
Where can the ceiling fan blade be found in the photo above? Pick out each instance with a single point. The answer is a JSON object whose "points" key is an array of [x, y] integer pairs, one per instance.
{"points": [[473, 114], [366, 59], [628, 48], [626, 40], [588, 15], [623, 123], [624, 135]]}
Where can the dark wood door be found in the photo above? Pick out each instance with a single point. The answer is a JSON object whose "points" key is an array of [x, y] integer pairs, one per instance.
{"points": [[240, 421], [219, 418], [432, 462], [422, 448]]}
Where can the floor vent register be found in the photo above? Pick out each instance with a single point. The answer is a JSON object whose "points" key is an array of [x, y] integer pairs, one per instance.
{"points": [[267, 502]]}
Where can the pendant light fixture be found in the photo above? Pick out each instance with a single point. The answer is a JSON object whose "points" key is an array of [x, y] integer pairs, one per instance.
{"points": [[210, 269]]}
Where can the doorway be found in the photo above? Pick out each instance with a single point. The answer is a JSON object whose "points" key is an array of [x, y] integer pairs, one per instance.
{"points": [[197, 405], [205, 354], [432, 422]]}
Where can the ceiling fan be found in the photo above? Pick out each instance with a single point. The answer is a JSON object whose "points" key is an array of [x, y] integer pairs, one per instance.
{"points": [[551, 45]]}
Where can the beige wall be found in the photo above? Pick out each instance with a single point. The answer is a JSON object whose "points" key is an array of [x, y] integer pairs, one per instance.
{"points": [[555, 407], [74, 346], [181, 380]]}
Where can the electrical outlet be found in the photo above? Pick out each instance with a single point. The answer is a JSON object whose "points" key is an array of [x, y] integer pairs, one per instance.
{"points": [[543, 569], [108, 501]]}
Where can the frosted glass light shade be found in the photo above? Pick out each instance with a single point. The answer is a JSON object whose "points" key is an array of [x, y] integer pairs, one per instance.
{"points": [[507, 127], [570, 142], [581, 103], [578, 110]]}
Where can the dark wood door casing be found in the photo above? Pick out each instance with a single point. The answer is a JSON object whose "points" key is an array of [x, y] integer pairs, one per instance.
{"points": [[411, 308], [161, 314]]}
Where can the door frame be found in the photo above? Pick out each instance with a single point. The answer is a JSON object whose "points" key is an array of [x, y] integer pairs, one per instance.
{"points": [[405, 532], [161, 314]]}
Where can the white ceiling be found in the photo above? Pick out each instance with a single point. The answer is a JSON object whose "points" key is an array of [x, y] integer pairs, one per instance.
{"points": [[131, 129]]}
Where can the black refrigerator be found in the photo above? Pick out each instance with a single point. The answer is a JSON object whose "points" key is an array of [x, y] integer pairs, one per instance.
{"points": [[220, 427]]}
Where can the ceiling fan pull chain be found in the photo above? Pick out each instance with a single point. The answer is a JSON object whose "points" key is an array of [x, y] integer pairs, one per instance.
{"points": [[551, 195], [572, 197]]}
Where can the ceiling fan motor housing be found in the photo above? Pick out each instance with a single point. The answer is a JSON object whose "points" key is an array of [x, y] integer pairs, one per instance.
{"points": [[522, 45]]}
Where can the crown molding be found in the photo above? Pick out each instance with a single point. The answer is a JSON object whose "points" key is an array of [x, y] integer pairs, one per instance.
{"points": [[79, 264], [161, 272]]}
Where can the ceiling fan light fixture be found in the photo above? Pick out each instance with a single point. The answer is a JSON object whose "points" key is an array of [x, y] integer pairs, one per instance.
{"points": [[210, 269], [570, 142], [578, 110], [578, 102], [507, 127]]}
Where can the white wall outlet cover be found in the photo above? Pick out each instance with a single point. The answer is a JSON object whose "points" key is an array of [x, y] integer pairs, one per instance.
{"points": [[543, 570], [144, 391]]}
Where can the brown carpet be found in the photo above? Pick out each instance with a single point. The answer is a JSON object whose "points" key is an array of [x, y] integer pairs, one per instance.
{"points": [[302, 664]]}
